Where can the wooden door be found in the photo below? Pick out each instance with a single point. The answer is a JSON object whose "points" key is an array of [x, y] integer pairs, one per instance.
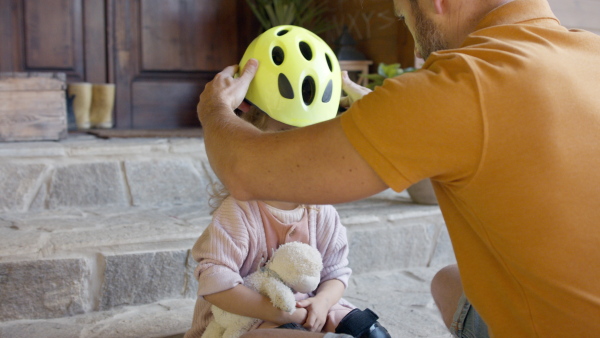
{"points": [[165, 51], [52, 36]]}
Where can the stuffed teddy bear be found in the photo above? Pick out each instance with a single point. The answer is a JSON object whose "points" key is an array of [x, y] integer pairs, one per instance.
{"points": [[293, 267]]}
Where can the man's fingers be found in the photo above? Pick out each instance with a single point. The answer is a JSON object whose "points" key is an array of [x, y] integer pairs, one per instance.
{"points": [[249, 70], [230, 70]]}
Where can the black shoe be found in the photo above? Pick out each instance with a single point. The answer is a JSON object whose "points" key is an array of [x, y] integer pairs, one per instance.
{"points": [[362, 324], [292, 326]]}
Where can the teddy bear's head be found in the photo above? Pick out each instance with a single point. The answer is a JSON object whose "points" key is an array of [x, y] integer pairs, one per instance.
{"points": [[298, 265]]}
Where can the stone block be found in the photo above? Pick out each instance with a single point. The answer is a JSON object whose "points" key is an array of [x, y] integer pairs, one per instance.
{"points": [[19, 184], [390, 246], [162, 319], [43, 288], [17, 242], [112, 147], [144, 278], [88, 185], [124, 230], [164, 182], [443, 253]]}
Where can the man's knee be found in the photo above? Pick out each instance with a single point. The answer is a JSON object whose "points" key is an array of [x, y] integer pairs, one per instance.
{"points": [[446, 289], [446, 280]]}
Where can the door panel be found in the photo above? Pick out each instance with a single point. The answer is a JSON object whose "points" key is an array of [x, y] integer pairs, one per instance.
{"points": [[151, 99], [52, 36], [165, 51], [50, 42], [188, 35]]}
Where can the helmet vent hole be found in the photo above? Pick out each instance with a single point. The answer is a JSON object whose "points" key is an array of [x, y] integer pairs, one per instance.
{"points": [[277, 55], [282, 32], [308, 90], [329, 64], [285, 87], [328, 92], [306, 51]]}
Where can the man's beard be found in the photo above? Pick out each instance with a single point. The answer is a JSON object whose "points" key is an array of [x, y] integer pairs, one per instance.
{"points": [[428, 37]]}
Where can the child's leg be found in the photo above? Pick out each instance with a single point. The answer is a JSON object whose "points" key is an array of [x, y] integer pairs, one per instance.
{"points": [[335, 316]]}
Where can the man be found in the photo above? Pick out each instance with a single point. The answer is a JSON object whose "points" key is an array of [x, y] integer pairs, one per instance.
{"points": [[504, 117]]}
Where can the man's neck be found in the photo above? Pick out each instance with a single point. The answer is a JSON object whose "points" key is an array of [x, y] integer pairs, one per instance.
{"points": [[468, 14]]}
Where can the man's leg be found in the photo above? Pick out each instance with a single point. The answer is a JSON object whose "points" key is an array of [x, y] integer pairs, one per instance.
{"points": [[458, 314], [277, 333], [446, 289]]}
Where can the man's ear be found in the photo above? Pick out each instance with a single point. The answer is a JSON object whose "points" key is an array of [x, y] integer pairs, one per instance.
{"points": [[440, 6]]}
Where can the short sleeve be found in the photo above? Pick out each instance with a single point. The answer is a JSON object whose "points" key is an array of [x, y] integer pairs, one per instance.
{"points": [[423, 124]]}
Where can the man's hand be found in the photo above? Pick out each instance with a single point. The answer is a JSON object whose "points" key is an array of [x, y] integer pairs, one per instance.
{"points": [[225, 90], [317, 312], [353, 90]]}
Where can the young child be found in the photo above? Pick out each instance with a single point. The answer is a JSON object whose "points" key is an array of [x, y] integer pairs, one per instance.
{"points": [[243, 235]]}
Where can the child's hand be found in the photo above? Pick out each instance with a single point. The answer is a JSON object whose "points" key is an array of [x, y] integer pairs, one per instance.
{"points": [[317, 312], [353, 90], [299, 316]]}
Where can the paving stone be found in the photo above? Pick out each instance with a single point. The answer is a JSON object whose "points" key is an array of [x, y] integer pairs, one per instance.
{"points": [[43, 289], [113, 147], [145, 278], [32, 149], [401, 299], [194, 146], [18, 183], [17, 242], [162, 319], [164, 181], [88, 184]]}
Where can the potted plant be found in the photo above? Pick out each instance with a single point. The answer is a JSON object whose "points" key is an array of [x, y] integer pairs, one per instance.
{"points": [[385, 71], [304, 13]]}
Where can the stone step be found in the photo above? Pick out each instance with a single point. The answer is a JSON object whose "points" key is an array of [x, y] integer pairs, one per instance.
{"points": [[62, 263], [97, 229], [401, 298]]}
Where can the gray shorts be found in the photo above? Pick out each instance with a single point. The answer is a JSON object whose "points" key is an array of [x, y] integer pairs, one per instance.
{"points": [[467, 323]]}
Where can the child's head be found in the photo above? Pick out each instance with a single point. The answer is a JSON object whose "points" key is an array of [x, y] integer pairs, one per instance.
{"points": [[298, 81]]}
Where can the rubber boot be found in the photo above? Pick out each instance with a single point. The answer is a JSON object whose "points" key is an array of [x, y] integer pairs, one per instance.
{"points": [[103, 101], [81, 94], [362, 324]]}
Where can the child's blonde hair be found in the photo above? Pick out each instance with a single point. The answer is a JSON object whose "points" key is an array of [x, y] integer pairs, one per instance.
{"points": [[216, 190]]}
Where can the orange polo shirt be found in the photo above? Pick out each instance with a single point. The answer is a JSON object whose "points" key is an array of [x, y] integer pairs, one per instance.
{"points": [[508, 128]]}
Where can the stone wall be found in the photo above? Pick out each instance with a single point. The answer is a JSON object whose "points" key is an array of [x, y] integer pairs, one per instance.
{"points": [[581, 14], [97, 173]]}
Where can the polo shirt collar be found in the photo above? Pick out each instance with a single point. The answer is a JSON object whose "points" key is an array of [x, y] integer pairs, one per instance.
{"points": [[517, 11]]}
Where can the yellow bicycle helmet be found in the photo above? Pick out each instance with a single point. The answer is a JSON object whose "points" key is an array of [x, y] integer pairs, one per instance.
{"points": [[298, 81]]}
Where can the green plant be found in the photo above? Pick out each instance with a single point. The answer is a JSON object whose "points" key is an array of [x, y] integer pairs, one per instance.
{"points": [[385, 71], [304, 13]]}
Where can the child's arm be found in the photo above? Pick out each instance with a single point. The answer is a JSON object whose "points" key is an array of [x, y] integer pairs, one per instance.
{"points": [[244, 301], [327, 295]]}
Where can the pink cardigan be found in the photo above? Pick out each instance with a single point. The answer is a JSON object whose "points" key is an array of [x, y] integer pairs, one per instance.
{"points": [[234, 245]]}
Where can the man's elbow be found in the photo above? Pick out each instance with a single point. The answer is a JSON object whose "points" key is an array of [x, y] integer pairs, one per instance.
{"points": [[238, 185]]}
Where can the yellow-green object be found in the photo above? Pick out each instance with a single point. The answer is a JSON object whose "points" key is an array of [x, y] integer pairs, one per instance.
{"points": [[298, 81], [385, 71]]}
